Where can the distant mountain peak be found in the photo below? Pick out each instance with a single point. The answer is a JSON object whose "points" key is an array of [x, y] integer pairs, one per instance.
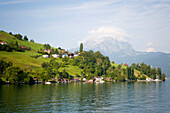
{"points": [[109, 45]]}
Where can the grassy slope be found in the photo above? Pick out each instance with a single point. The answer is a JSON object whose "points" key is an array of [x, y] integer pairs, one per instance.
{"points": [[72, 70], [23, 59], [136, 72], [9, 38], [115, 65]]}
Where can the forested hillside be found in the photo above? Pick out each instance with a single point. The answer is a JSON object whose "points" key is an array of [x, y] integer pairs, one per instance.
{"points": [[21, 61]]}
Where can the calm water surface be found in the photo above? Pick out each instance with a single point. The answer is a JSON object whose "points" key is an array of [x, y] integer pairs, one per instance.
{"points": [[85, 97]]}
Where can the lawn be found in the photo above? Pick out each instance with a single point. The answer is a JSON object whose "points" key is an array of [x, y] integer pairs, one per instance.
{"points": [[10, 38], [115, 65], [23, 59]]}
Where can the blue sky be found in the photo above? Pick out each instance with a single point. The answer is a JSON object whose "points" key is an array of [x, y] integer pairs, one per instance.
{"points": [[65, 23]]}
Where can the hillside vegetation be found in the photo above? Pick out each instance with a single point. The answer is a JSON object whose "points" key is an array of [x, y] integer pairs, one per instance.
{"points": [[88, 64], [10, 38]]}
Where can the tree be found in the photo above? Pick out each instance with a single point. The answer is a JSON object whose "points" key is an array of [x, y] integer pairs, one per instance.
{"points": [[44, 65], [8, 49], [16, 44], [47, 46], [163, 76], [56, 51], [10, 33], [25, 38], [18, 36], [153, 73], [60, 55], [31, 40], [159, 72], [64, 73], [131, 75], [4, 65], [59, 48], [14, 74], [119, 66], [81, 47]]}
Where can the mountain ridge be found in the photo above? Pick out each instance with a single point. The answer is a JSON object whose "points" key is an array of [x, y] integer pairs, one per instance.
{"points": [[123, 52]]}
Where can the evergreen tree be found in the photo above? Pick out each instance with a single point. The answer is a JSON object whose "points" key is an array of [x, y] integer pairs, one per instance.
{"points": [[163, 76], [56, 51], [159, 72], [16, 44], [81, 47]]}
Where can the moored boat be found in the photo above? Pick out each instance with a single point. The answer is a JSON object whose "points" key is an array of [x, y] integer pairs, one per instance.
{"points": [[47, 82]]}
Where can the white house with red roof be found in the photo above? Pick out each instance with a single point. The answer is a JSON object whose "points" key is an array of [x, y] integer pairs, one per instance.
{"points": [[3, 43]]}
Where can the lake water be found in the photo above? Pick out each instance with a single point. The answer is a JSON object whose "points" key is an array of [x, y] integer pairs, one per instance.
{"points": [[152, 97]]}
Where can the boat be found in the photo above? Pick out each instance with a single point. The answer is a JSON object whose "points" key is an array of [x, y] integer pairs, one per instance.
{"points": [[47, 82], [102, 81], [90, 81], [157, 80]]}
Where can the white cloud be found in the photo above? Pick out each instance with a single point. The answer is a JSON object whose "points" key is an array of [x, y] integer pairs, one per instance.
{"points": [[98, 35], [150, 50], [88, 5], [15, 2], [149, 44]]}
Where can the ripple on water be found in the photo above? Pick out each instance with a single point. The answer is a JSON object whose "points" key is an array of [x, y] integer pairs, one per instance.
{"points": [[107, 97]]}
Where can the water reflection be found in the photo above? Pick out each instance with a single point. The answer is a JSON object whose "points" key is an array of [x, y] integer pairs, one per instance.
{"points": [[75, 97]]}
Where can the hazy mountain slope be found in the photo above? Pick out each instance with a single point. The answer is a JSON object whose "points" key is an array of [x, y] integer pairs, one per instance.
{"points": [[123, 52]]}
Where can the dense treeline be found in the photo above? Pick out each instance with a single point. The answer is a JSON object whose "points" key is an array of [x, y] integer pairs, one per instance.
{"points": [[51, 70], [20, 37], [95, 64], [13, 74], [149, 71], [12, 46]]}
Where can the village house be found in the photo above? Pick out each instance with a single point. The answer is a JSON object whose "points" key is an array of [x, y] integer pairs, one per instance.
{"points": [[47, 50], [98, 78], [63, 52], [45, 56], [63, 80], [149, 79], [125, 64], [3, 43], [84, 80], [91, 81], [35, 79], [71, 55], [109, 79], [64, 55], [78, 79], [76, 55], [55, 55], [23, 47]]}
